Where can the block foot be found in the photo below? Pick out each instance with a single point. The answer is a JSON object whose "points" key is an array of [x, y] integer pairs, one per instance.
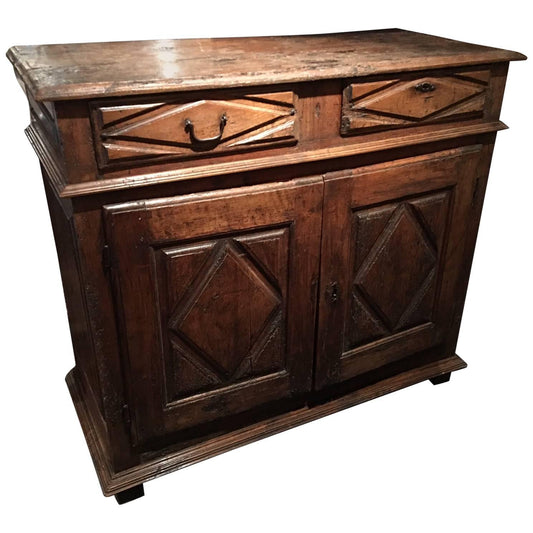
{"points": [[443, 378], [130, 494]]}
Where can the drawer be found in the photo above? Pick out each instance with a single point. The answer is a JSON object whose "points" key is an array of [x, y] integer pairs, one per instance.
{"points": [[412, 100], [184, 127]]}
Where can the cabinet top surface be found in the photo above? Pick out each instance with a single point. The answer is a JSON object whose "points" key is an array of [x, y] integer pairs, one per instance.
{"points": [[88, 70]]}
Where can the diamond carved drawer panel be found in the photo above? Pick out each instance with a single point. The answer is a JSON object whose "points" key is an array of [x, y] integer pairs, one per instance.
{"points": [[410, 101], [185, 127]]}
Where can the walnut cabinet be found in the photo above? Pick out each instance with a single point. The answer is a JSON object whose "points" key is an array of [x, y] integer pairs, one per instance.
{"points": [[255, 233]]}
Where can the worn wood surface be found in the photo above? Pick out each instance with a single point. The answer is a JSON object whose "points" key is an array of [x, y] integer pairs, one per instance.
{"points": [[68, 71], [408, 100], [388, 286], [239, 260], [90, 154], [116, 144], [188, 126], [220, 288], [113, 482], [319, 153]]}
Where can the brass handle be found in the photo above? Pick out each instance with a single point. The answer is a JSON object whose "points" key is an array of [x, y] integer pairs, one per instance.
{"points": [[189, 128], [425, 87]]}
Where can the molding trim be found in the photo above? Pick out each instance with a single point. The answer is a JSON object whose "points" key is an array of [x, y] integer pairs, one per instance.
{"points": [[48, 159], [114, 482], [360, 146], [377, 143]]}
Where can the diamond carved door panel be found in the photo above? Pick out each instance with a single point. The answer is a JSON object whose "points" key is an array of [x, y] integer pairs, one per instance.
{"points": [[397, 248], [216, 294], [237, 296], [393, 236]]}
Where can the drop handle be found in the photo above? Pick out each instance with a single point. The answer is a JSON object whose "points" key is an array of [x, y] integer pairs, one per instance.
{"points": [[189, 128], [425, 87]]}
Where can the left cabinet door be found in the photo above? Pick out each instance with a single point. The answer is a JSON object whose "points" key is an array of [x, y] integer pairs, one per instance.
{"points": [[216, 296]]}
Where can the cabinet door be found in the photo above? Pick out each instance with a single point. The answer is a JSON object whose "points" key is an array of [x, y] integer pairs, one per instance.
{"points": [[392, 255], [216, 295]]}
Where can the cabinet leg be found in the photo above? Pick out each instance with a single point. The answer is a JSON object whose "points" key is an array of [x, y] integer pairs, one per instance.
{"points": [[130, 494], [443, 378]]}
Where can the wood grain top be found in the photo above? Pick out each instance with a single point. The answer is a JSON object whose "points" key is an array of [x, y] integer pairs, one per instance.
{"points": [[77, 71]]}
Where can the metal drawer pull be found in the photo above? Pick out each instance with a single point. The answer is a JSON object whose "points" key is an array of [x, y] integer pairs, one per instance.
{"points": [[189, 128], [425, 87]]}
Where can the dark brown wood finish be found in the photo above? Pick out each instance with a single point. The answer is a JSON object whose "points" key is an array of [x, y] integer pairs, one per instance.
{"points": [[154, 128], [255, 233], [224, 285], [391, 255], [384, 103], [190, 452], [72, 71]]}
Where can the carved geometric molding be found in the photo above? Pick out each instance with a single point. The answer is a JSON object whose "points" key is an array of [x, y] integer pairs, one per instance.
{"points": [[158, 128], [225, 317], [397, 254], [400, 103]]}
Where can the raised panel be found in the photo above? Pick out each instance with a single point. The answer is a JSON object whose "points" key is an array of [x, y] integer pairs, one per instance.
{"points": [[210, 290], [181, 127], [392, 250], [397, 251], [413, 100], [222, 310]]}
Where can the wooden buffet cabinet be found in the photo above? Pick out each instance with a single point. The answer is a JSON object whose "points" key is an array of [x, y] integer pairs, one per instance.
{"points": [[254, 233]]}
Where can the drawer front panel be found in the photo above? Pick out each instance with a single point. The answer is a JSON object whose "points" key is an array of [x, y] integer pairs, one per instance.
{"points": [[411, 101], [186, 127]]}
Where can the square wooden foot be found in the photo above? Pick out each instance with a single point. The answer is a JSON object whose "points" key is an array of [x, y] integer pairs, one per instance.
{"points": [[130, 494], [443, 378]]}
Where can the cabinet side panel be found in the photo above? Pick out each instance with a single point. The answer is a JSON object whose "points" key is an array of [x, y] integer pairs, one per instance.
{"points": [[72, 287], [498, 79], [102, 323], [76, 140], [480, 187]]}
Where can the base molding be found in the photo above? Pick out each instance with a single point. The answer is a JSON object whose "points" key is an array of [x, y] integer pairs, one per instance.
{"points": [[115, 482]]}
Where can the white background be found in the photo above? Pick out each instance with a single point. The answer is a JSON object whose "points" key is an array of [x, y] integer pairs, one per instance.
{"points": [[457, 457]]}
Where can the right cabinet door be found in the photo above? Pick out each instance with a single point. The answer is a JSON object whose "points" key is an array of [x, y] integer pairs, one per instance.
{"points": [[392, 259]]}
